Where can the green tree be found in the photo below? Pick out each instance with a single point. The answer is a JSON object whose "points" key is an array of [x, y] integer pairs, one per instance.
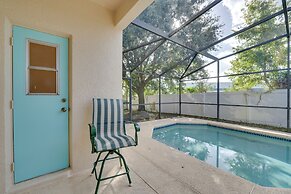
{"points": [[267, 57], [161, 14], [200, 87]]}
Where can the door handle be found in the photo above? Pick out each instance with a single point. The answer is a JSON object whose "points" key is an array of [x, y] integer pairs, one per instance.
{"points": [[64, 109]]}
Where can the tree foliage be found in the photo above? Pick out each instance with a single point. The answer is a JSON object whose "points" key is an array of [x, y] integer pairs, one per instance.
{"points": [[167, 15], [200, 87], [267, 57]]}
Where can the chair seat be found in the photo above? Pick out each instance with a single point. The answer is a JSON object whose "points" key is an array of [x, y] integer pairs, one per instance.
{"points": [[111, 142]]}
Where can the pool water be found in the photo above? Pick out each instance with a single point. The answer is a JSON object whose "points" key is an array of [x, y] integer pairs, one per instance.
{"points": [[263, 160]]}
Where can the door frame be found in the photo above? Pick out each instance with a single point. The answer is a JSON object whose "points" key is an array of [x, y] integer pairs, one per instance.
{"points": [[10, 186]]}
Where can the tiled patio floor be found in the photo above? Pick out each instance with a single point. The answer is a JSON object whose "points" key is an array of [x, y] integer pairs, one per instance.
{"points": [[156, 168]]}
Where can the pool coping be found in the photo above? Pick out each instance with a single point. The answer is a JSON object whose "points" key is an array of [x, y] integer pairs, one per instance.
{"points": [[246, 129], [282, 137], [236, 183], [210, 178]]}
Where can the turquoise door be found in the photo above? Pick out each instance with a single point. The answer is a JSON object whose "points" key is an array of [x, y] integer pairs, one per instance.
{"points": [[40, 103]]}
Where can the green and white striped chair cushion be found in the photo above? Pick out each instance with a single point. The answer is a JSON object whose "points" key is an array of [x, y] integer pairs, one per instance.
{"points": [[108, 122]]}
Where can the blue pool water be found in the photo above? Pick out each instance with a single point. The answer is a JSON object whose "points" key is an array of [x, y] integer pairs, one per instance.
{"points": [[263, 160]]}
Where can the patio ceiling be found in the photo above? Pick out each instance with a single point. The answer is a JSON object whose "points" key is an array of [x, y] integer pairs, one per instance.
{"points": [[123, 11], [111, 5]]}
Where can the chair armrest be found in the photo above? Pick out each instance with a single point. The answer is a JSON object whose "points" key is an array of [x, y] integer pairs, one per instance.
{"points": [[137, 129], [92, 129]]}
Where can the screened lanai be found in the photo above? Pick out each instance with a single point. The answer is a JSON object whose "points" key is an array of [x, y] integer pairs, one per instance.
{"points": [[227, 60]]}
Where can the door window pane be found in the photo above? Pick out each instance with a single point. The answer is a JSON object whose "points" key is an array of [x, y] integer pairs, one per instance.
{"points": [[42, 55], [42, 68], [42, 81]]}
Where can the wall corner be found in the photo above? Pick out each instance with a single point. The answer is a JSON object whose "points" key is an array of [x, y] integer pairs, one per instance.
{"points": [[128, 11]]}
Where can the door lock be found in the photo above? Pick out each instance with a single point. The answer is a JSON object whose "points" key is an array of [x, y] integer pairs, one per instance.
{"points": [[64, 109]]}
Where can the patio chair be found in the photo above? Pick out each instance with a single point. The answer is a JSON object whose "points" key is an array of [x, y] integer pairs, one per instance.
{"points": [[108, 135]]}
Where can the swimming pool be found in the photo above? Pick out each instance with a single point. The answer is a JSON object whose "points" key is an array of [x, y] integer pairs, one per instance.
{"points": [[261, 159]]}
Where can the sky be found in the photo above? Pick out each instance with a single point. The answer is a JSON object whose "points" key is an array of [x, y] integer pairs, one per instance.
{"points": [[231, 15]]}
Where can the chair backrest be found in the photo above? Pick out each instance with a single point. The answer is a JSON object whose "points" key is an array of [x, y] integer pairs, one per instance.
{"points": [[108, 117]]}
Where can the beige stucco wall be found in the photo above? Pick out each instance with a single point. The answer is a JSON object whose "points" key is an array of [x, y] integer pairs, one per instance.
{"points": [[95, 67]]}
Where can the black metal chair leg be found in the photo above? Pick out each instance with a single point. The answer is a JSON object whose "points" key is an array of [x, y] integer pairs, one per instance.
{"points": [[125, 165], [119, 158], [96, 162], [100, 173]]}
